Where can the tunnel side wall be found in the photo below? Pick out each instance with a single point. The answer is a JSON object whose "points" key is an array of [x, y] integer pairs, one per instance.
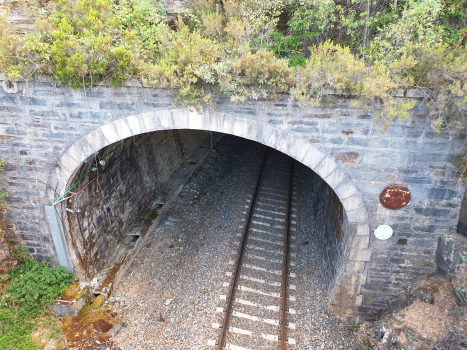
{"points": [[118, 200], [333, 229]]}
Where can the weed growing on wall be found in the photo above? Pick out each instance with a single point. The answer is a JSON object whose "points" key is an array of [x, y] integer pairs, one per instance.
{"points": [[31, 285], [460, 162], [3, 193]]}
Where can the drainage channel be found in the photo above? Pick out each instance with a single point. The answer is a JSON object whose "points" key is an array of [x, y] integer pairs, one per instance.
{"points": [[256, 310]]}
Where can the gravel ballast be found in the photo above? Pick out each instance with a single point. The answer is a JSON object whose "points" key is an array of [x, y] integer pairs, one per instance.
{"points": [[170, 297]]}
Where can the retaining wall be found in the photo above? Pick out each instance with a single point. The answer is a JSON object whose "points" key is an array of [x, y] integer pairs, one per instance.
{"points": [[48, 130]]}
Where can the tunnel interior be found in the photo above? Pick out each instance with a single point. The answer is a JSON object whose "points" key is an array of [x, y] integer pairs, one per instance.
{"points": [[122, 193]]}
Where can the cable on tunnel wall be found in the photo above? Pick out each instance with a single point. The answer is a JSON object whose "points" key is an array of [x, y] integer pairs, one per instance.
{"points": [[92, 167]]}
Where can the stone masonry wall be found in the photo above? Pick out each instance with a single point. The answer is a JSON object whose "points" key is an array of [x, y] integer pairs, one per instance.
{"points": [[44, 128], [332, 227], [118, 201]]}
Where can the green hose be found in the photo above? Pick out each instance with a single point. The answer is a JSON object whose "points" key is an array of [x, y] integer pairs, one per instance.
{"points": [[92, 167]]}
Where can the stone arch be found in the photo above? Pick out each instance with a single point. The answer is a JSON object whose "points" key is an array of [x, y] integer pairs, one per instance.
{"points": [[345, 297]]}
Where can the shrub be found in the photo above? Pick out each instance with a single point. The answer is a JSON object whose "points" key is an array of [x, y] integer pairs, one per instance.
{"points": [[180, 64], [256, 48], [255, 75], [334, 69]]}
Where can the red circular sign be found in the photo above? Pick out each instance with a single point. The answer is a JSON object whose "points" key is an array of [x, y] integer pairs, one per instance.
{"points": [[395, 196]]}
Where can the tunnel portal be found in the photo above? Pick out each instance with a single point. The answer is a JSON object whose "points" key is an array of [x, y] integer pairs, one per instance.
{"points": [[184, 197], [49, 131], [120, 194]]}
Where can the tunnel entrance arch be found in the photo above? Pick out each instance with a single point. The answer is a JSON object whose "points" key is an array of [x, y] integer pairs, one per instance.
{"points": [[345, 293]]}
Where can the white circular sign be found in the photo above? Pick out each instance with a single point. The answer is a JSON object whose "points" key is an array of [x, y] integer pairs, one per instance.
{"points": [[383, 232]]}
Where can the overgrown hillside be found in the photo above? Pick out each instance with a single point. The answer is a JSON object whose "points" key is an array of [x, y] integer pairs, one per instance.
{"points": [[257, 48]]}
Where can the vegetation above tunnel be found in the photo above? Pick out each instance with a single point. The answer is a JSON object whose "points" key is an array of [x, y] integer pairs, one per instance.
{"points": [[257, 48]]}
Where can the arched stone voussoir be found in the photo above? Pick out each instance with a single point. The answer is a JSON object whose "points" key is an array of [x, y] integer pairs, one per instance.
{"points": [[179, 118], [359, 214], [241, 128], [325, 167], [166, 120], [337, 177], [91, 143], [60, 177], [110, 133], [54, 183], [76, 153], [313, 157], [136, 124], [346, 189], [216, 121], [353, 202], [196, 121], [285, 142], [298, 148], [228, 123], [359, 229], [269, 136], [151, 121], [254, 131], [66, 164], [122, 128]]}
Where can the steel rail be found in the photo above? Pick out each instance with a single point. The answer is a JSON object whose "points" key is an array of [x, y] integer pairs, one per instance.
{"points": [[231, 295], [285, 273]]}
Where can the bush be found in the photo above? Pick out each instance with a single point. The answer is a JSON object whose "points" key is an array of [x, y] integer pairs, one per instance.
{"points": [[256, 48], [180, 63], [255, 75], [334, 69]]}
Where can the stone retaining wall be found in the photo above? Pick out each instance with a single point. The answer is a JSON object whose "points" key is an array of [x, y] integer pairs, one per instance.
{"points": [[48, 130]]}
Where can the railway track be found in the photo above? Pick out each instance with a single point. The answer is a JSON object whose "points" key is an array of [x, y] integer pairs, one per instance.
{"points": [[257, 313]]}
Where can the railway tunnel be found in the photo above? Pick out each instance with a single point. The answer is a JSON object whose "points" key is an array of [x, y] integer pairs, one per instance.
{"points": [[53, 135], [182, 203]]}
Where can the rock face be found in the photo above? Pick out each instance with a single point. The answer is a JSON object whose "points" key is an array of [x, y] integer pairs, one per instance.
{"points": [[451, 256], [455, 339], [4, 252], [62, 310], [173, 7], [462, 226], [432, 321], [450, 253], [459, 282], [22, 18]]}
